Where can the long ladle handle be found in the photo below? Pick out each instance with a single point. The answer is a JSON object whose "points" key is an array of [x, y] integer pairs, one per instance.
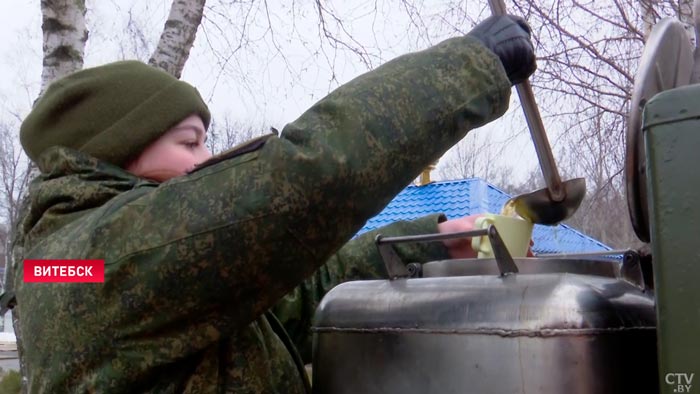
{"points": [[534, 123]]}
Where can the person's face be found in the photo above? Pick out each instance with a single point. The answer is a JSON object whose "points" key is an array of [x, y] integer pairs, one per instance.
{"points": [[173, 154]]}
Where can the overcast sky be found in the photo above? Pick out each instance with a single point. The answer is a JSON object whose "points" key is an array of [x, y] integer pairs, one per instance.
{"points": [[259, 86]]}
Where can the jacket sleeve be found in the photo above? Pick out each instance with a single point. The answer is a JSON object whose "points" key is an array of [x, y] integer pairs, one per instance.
{"points": [[359, 259], [228, 241]]}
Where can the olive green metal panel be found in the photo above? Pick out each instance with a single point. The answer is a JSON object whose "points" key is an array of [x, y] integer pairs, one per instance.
{"points": [[672, 134]]}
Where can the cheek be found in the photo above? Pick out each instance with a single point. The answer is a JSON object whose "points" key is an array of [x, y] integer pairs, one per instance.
{"points": [[203, 155], [163, 161], [181, 160]]}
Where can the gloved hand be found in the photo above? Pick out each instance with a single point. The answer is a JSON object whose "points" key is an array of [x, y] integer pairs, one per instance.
{"points": [[508, 37]]}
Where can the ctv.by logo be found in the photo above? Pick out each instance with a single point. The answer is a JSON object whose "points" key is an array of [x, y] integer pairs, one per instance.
{"points": [[681, 382]]}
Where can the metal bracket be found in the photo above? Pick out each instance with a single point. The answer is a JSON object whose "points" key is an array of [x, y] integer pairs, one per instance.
{"points": [[393, 263], [503, 258], [396, 268], [631, 269]]}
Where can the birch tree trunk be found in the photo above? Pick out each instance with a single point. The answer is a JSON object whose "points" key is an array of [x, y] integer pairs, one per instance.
{"points": [[64, 37], [178, 36], [685, 11], [65, 34], [685, 15]]}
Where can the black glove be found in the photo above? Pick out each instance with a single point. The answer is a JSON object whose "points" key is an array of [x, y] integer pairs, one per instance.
{"points": [[508, 37]]}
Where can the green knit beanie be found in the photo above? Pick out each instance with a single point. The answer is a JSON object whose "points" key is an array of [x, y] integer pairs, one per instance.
{"points": [[112, 112]]}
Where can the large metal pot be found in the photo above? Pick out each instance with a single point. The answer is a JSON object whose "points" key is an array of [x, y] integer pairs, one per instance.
{"points": [[544, 330]]}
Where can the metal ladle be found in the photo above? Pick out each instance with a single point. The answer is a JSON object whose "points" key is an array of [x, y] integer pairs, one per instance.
{"points": [[560, 199]]}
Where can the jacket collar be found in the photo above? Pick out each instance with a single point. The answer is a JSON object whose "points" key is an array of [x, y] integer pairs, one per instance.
{"points": [[70, 184]]}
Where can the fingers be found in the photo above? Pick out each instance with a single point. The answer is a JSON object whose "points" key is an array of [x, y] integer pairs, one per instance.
{"points": [[510, 38]]}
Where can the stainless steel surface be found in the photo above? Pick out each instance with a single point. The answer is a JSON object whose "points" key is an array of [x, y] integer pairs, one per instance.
{"points": [[582, 255], [629, 264], [667, 62], [628, 267], [415, 363], [565, 199], [542, 333], [526, 265], [513, 305], [539, 208]]}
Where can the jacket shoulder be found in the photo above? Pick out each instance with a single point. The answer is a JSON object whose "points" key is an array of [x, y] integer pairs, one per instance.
{"points": [[238, 150]]}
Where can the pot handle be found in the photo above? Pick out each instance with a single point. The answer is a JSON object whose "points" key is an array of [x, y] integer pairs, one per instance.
{"points": [[396, 268], [478, 243]]}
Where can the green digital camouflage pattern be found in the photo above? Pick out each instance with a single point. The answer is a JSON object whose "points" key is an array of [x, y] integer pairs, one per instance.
{"points": [[193, 265], [358, 259]]}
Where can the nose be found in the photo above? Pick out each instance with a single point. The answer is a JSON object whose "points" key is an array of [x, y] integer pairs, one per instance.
{"points": [[204, 155]]}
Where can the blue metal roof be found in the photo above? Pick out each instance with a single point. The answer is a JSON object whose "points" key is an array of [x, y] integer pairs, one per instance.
{"points": [[471, 196]]}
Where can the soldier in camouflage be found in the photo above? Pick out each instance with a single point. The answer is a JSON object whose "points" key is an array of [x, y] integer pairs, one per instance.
{"points": [[212, 277]]}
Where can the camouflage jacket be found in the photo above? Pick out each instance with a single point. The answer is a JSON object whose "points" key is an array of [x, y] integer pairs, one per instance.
{"points": [[193, 266]]}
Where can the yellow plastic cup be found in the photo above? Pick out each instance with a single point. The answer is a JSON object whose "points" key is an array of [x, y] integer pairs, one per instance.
{"points": [[515, 233]]}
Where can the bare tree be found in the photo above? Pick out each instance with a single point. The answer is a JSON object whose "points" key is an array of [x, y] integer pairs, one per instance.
{"points": [[588, 54], [481, 154], [4, 246], [471, 157], [503, 179], [226, 133], [179, 33], [14, 176], [14, 179], [65, 35], [596, 154]]}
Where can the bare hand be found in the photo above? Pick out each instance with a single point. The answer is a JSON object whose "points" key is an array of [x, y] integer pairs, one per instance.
{"points": [[461, 248]]}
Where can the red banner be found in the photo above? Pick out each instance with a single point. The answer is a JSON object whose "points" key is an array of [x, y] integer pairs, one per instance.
{"points": [[64, 271]]}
